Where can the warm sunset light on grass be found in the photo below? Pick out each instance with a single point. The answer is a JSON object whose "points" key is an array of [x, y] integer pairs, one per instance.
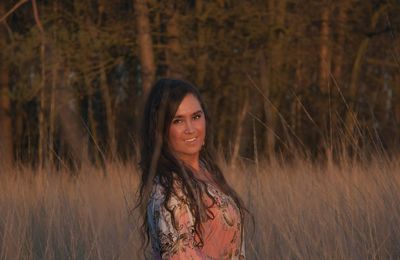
{"points": [[301, 211]]}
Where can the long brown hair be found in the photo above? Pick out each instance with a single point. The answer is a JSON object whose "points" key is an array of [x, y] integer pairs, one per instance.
{"points": [[158, 161]]}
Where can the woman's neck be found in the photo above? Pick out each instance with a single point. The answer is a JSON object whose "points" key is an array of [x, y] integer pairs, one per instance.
{"points": [[192, 162], [200, 172]]}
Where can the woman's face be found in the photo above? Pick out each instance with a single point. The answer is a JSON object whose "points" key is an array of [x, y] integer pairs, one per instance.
{"points": [[187, 130]]}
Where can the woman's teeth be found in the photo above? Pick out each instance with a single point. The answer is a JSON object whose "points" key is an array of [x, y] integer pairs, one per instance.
{"points": [[191, 139]]}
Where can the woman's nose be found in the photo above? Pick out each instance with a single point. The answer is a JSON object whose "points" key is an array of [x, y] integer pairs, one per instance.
{"points": [[189, 128]]}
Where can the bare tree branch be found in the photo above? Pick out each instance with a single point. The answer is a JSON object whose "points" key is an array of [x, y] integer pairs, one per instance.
{"points": [[36, 14], [15, 7]]}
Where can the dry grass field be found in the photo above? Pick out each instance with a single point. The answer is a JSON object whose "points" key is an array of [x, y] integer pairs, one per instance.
{"points": [[301, 211]]}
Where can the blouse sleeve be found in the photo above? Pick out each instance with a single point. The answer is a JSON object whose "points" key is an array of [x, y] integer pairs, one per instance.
{"points": [[174, 230]]}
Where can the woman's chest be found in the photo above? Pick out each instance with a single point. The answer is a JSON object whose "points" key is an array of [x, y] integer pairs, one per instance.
{"points": [[222, 213], [222, 230]]}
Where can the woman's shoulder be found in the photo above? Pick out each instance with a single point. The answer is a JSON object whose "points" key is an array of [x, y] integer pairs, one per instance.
{"points": [[159, 193]]}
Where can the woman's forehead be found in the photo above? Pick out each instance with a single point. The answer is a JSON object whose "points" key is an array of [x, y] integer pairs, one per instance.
{"points": [[189, 105]]}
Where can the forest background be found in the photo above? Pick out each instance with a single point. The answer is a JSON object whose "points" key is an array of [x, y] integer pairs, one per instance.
{"points": [[304, 98], [315, 77]]}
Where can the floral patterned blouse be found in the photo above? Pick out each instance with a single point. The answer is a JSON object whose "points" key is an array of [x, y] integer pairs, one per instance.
{"points": [[172, 232]]}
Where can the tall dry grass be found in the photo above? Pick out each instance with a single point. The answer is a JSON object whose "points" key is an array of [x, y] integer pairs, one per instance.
{"points": [[53, 215], [301, 211]]}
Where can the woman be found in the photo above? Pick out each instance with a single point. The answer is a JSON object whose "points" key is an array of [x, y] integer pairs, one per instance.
{"points": [[190, 210]]}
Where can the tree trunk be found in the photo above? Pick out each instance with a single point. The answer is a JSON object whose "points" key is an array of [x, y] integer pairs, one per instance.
{"points": [[324, 103], [297, 104], [55, 70], [106, 92], [174, 48], [271, 71], [92, 121], [202, 58], [6, 132], [145, 44], [239, 129], [269, 112], [71, 123], [351, 117], [396, 82], [43, 126], [337, 63], [325, 60], [110, 115], [342, 17]]}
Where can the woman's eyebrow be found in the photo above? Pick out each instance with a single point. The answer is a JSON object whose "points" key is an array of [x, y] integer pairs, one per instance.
{"points": [[195, 113], [198, 112]]}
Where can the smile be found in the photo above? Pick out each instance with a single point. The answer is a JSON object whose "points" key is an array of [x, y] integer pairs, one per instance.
{"points": [[191, 140]]}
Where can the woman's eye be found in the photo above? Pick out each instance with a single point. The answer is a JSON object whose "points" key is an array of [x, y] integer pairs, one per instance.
{"points": [[177, 121], [196, 117]]}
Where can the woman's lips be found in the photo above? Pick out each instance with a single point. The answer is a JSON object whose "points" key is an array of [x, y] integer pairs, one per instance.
{"points": [[191, 140]]}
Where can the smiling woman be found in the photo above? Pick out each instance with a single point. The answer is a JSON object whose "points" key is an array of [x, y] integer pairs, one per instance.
{"points": [[189, 210], [187, 131]]}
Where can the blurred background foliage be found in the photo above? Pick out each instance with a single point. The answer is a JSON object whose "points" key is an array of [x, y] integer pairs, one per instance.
{"points": [[280, 77]]}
